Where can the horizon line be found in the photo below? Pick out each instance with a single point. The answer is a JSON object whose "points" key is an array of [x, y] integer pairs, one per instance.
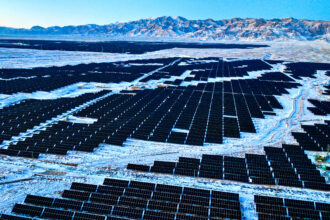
{"points": [[148, 18]]}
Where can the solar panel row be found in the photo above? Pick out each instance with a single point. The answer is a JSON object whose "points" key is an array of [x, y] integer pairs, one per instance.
{"points": [[287, 166], [321, 107], [316, 137], [281, 208], [131, 199], [29, 113], [51, 78]]}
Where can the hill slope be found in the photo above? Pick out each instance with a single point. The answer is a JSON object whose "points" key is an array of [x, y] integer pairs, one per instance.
{"points": [[181, 28]]}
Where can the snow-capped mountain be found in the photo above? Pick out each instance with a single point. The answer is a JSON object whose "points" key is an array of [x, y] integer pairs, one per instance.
{"points": [[181, 28]]}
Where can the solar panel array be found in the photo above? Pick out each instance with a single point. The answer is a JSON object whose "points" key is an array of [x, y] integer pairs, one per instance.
{"points": [[188, 107], [122, 199], [321, 107], [51, 78], [25, 115], [283, 208], [305, 69], [327, 87], [130, 47], [315, 137], [153, 114], [209, 70], [242, 99], [287, 166]]}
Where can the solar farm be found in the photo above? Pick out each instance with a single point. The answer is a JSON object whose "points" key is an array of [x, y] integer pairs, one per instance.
{"points": [[164, 137]]}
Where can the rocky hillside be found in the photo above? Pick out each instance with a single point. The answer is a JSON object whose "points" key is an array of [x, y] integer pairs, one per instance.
{"points": [[180, 28]]}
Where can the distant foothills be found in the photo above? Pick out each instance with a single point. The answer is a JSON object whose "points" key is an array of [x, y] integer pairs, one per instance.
{"points": [[169, 27]]}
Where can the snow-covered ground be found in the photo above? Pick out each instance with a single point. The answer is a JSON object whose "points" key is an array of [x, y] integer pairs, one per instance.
{"points": [[51, 174], [292, 51]]}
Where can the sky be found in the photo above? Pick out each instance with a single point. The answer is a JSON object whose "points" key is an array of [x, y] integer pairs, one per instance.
{"points": [[28, 13]]}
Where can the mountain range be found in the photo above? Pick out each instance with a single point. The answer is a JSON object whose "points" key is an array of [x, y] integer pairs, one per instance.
{"points": [[169, 27]]}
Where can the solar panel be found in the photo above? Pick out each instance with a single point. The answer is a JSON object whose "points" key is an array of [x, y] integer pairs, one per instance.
{"points": [[32, 211], [97, 208], [168, 188], [142, 185], [116, 182], [67, 204], [83, 187], [57, 214], [39, 200], [13, 217], [127, 212]]}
